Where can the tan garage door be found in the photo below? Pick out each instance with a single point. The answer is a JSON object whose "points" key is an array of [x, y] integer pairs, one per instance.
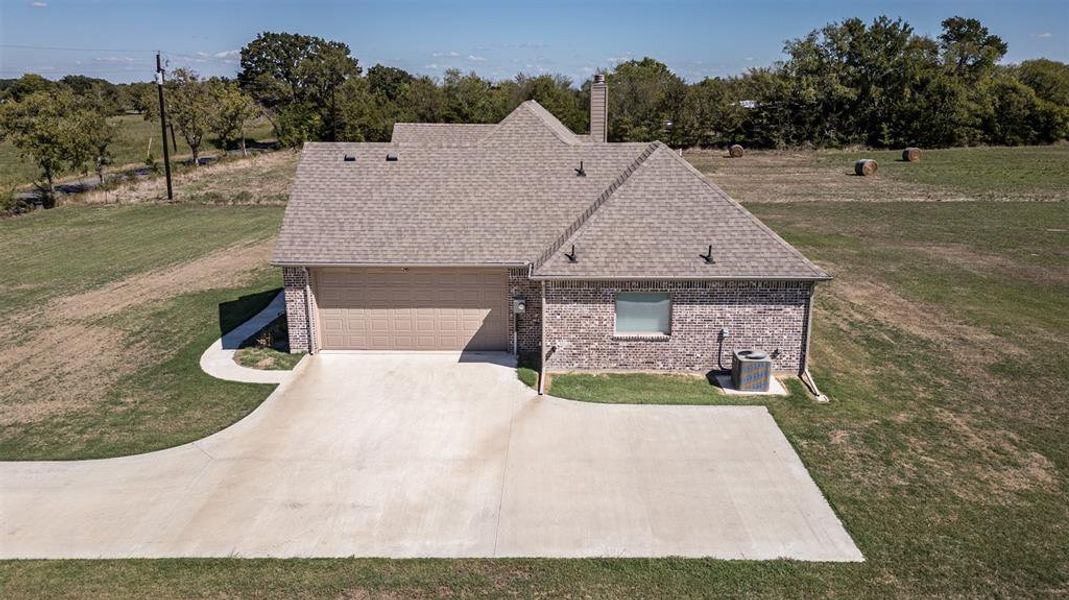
{"points": [[413, 309]]}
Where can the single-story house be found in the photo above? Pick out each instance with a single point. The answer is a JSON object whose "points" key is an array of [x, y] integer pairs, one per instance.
{"points": [[523, 236]]}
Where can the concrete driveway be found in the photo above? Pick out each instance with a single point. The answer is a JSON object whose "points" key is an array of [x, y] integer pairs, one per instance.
{"points": [[425, 455]]}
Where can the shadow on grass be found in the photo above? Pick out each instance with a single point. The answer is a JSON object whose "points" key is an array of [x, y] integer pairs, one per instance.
{"points": [[528, 365], [236, 312]]}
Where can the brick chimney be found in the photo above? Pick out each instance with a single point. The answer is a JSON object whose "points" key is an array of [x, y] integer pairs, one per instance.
{"points": [[599, 109]]}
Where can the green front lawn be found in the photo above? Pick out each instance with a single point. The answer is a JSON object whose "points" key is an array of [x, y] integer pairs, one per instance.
{"points": [[164, 402], [54, 253], [108, 311], [653, 388]]}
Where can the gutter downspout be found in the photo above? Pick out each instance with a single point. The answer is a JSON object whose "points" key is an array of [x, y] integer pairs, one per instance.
{"points": [[308, 309], [805, 376], [542, 337]]}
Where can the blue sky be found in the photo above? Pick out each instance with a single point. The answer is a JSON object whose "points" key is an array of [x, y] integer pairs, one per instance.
{"points": [[114, 39]]}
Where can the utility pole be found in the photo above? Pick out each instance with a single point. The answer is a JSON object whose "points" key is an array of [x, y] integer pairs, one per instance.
{"points": [[163, 126]]}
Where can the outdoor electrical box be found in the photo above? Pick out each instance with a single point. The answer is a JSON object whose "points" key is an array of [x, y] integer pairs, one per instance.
{"points": [[519, 305]]}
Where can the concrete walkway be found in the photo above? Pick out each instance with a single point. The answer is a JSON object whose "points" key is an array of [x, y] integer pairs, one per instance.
{"points": [[435, 455], [218, 359]]}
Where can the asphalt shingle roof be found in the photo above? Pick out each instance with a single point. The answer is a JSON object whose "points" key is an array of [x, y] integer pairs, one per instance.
{"points": [[508, 194], [441, 134]]}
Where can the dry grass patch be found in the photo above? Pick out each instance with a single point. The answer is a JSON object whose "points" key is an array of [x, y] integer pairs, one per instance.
{"points": [[258, 179], [223, 268], [781, 176], [1027, 173], [71, 359], [62, 368]]}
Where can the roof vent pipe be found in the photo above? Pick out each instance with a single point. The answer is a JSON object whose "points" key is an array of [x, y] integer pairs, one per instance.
{"points": [[599, 109]]}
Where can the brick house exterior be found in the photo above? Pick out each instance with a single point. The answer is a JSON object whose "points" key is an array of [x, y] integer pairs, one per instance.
{"points": [[436, 232], [772, 316], [578, 322], [300, 321], [528, 326]]}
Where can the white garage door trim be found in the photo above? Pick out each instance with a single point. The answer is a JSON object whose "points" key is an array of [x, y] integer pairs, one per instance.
{"points": [[418, 308]]}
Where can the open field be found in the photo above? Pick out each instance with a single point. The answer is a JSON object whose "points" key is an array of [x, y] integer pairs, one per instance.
{"points": [[1025, 173], [259, 179], [943, 343], [107, 311], [129, 148]]}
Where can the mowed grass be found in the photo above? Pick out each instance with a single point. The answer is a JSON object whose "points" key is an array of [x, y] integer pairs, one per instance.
{"points": [[988, 173], [943, 345], [59, 252], [654, 388], [130, 147], [1026, 173], [107, 311], [164, 402]]}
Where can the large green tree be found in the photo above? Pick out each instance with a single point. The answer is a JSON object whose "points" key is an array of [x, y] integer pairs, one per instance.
{"points": [[190, 108], [1049, 79], [58, 132], [645, 101], [232, 111], [468, 99], [296, 79], [969, 50]]}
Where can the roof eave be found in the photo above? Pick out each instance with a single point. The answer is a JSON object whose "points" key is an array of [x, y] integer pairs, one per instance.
{"points": [[814, 278], [381, 264]]}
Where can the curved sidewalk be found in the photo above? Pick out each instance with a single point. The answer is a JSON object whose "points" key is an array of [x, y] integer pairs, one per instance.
{"points": [[218, 359]]}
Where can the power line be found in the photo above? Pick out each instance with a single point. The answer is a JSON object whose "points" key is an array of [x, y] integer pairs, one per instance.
{"points": [[201, 56], [68, 49]]}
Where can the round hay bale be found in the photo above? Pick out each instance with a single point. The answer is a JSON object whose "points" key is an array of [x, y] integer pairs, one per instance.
{"points": [[736, 151], [865, 167], [911, 154]]}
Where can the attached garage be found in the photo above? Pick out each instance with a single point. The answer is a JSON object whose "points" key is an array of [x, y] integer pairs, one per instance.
{"points": [[412, 308]]}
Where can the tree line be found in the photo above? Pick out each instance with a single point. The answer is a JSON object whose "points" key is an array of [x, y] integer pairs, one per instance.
{"points": [[853, 82], [877, 84]]}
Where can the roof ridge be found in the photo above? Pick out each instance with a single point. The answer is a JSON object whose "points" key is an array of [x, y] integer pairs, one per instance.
{"points": [[753, 218], [583, 217], [555, 125], [546, 118]]}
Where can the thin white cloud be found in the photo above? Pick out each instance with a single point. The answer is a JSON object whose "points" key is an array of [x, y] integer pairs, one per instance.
{"points": [[473, 58], [450, 54], [39, 4], [121, 60], [227, 54], [1045, 34]]}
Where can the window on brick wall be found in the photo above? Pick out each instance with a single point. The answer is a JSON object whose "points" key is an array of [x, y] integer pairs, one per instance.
{"points": [[643, 313]]}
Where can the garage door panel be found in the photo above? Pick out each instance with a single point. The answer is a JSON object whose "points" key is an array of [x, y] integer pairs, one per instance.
{"points": [[417, 309]]}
